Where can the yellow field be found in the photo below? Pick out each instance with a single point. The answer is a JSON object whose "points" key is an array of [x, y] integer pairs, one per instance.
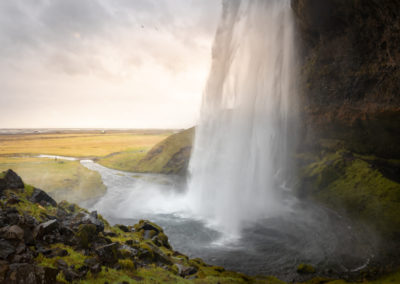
{"points": [[77, 145], [69, 180]]}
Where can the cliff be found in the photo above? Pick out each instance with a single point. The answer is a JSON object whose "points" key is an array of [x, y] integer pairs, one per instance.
{"points": [[349, 73], [350, 97]]}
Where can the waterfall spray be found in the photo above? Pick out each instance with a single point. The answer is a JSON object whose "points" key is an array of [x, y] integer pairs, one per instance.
{"points": [[240, 158]]}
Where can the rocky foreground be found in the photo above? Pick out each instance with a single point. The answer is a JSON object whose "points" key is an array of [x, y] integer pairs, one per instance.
{"points": [[45, 242]]}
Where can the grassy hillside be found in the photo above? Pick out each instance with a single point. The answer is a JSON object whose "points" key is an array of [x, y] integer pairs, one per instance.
{"points": [[169, 156]]}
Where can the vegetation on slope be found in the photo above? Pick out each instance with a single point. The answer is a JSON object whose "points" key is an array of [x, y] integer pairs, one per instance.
{"points": [[64, 180], [170, 156], [363, 187]]}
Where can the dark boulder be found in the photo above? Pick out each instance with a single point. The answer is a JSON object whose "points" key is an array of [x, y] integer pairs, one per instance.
{"points": [[6, 249], [23, 273], [70, 275], [91, 261], [123, 228], [39, 196], [10, 180], [147, 226], [13, 232], [45, 228], [61, 264], [108, 254], [46, 275], [86, 235], [94, 219], [84, 218], [4, 265], [185, 271], [12, 216]]}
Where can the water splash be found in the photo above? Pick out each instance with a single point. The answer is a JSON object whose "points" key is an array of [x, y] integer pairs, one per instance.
{"points": [[239, 161]]}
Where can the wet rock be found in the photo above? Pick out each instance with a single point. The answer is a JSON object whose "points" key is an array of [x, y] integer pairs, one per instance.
{"points": [[4, 265], [41, 197], [305, 269], [95, 269], [147, 225], [70, 275], [82, 271], [91, 261], [83, 218], [20, 248], [23, 273], [93, 218], [86, 234], [6, 249], [13, 199], [109, 234], [14, 233], [161, 240], [12, 216], [57, 252], [10, 181], [26, 257], [123, 228], [108, 254], [61, 264], [148, 234], [45, 228], [128, 251], [46, 275], [185, 270]]}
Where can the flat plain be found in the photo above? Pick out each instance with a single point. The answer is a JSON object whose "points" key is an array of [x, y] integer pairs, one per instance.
{"points": [[69, 180]]}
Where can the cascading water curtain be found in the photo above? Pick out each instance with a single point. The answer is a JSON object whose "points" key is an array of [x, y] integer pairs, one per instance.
{"points": [[240, 156]]}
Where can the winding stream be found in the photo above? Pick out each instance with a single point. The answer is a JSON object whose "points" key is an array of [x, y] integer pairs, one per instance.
{"points": [[309, 234]]}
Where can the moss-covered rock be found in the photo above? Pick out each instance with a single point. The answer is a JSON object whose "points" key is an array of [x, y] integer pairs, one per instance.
{"points": [[304, 268], [86, 234], [356, 185]]}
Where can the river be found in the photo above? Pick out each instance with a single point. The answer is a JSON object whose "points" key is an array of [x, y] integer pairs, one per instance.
{"points": [[272, 246]]}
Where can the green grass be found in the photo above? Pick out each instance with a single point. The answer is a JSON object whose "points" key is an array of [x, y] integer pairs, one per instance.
{"points": [[358, 188], [124, 161], [64, 180], [170, 155]]}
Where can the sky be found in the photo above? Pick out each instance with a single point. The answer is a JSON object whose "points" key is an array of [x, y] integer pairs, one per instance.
{"points": [[104, 63]]}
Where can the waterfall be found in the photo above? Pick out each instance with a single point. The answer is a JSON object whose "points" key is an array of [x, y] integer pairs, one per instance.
{"points": [[239, 162]]}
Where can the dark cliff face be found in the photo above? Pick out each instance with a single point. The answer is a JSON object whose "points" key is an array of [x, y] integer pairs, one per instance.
{"points": [[350, 72]]}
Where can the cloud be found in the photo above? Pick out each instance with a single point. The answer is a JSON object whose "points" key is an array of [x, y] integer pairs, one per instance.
{"points": [[100, 47]]}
